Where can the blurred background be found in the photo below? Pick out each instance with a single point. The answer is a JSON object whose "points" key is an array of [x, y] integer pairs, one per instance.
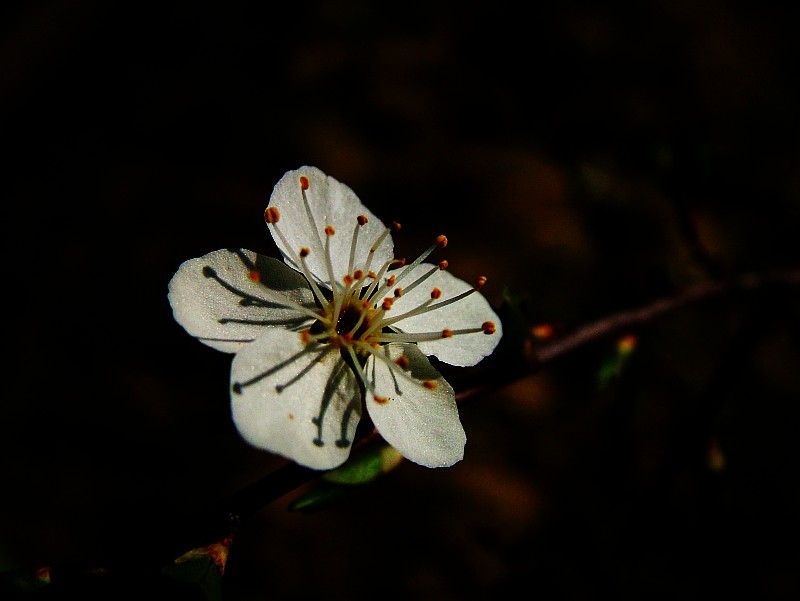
{"points": [[587, 158]]}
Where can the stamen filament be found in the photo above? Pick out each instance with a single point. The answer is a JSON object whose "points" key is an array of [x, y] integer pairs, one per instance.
{"points": [[374, 247], [427, 306], [391, 364], [440, 242], [299, 261], [312, 222]]}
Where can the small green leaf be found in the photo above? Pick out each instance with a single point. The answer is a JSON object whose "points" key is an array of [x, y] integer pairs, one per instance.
{"points": [[202, 567], [345, 480], [366, 466]]}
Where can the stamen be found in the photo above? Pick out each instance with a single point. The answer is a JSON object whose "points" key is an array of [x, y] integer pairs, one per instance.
{"points": [[398, 292], [272, 215], [304, 185], [360, 221], [301, 260], [373, 290], [488, 327], [439, 242], [397, 366], [427, 306], [374, 247], [329, 232]]}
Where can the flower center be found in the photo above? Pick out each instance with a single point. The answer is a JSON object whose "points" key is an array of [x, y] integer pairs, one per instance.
{"points": [[353, 320]]}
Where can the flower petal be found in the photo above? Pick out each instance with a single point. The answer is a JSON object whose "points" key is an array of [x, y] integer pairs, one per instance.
{"points": [[421, 422], [227, 298], [300, 401], [470, 312], [332, 203]]}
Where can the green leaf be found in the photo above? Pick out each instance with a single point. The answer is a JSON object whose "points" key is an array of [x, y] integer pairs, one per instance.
{"points": [[366, 467], [202, 567], [346, 480]]}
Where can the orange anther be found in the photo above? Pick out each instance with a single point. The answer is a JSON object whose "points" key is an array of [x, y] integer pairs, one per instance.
{"points": [[304, 182], [362, 219], [479, 283], [441, 241], [488, 327], [348, 279], [398, 292], [430, 384], [272, 215], [402, 361], [443, 265], [446, 333], [358, 274], [305, 336], [372, 274], [304, 252], [436, 293], [255, 276], [381, 400], [387, 303], [390, 280], [395, 226], [329, 231]]}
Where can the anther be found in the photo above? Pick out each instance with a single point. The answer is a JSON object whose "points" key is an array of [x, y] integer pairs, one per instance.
{"points": [[402, 361], [488, 327], [436, 293], [387, 303], [479, 283], [390, 280], [430, 384], [381, 400], [398, 292], [372, 274], [446, 333], [358, 274], [329, 231], [305, 336], [272, 215], [304, 182], [443, 265], [304, 252], [441, 241], [255, 276], [395, 226], [348, 279], [362, 220]]}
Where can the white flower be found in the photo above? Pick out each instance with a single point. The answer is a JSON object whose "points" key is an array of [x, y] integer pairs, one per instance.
{"points": [[343, 327]]}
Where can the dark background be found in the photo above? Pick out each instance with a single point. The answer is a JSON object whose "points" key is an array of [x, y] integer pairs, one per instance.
{"points": [[588, 158]]}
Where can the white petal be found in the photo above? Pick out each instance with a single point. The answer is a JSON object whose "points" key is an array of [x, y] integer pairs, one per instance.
{"points": [[470, 312], [295, 400], [332, 203], [214, 298], [422, 424]]}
